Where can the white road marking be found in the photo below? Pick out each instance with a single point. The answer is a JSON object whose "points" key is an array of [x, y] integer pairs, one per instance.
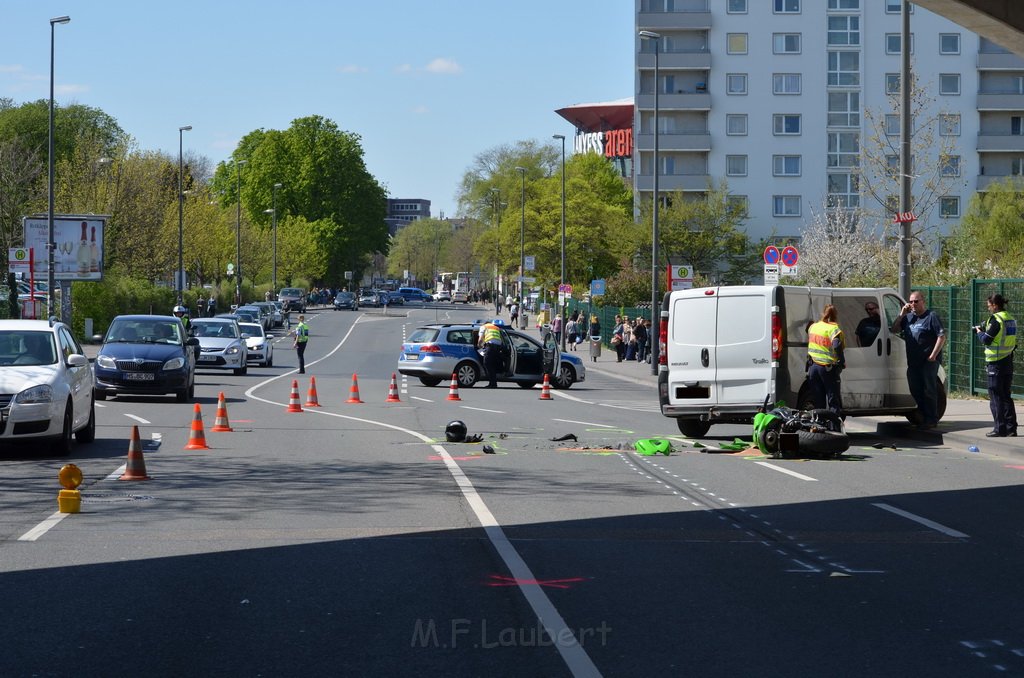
{"points": [[584, 423], [138, 419], [924, 521], [43, 527], [801, 476], [563, 394], [480, 409], [421, 399], [118, 472]]}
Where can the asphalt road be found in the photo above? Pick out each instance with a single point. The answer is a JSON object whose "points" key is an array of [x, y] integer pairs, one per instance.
{"points": [[352, 540]]}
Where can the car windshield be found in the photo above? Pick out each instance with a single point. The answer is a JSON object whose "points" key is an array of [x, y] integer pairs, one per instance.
{"points": [[215, 329], [144, 332], [252, 329], [291, 292], [19, 347]]}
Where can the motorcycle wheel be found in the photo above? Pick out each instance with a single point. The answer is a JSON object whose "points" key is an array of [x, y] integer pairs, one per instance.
{"points": [[824, 443]]}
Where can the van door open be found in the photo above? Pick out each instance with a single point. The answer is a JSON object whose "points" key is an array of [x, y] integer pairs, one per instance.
{"points": [[898, 393]]}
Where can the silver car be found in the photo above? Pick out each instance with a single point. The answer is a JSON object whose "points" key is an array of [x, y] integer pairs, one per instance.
{"points": [[221, 345], [261, 349]]}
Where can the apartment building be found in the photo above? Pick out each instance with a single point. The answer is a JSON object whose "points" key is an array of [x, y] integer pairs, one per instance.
{"points": [[403, 210], [791, 102]]}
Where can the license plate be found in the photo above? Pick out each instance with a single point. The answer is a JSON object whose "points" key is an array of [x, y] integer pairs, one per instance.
{"points": [[207, 358], [139, 376], [412, 356]]}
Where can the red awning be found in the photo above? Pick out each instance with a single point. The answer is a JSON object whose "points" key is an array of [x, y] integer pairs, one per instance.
{"points": [[600, 116]]}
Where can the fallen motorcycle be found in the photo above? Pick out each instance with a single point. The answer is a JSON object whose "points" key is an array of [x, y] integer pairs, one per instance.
{"points": [[783, 432]]}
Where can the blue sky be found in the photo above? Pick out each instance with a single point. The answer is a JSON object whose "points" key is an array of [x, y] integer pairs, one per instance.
{"points": [[427, 84]]}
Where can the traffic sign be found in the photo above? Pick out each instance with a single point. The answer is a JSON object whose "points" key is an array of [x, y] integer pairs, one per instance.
{"points": [[529, 263], [597, 288], [771, 274], [790, 256], [18, 259], [565, 288], [771, 254], [904, 217]]}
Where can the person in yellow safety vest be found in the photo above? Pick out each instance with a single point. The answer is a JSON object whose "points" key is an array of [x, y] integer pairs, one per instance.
{"points": [[490, 343], [999, 335], [825, 344], [301, 339]]}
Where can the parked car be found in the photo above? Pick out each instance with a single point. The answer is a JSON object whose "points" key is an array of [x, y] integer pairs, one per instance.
{"points": [[435, 352], [259, 344], [221, 345], [146, 355], [293, 299], [46, 385], [346, 300], [263, 315], [373, 298]]}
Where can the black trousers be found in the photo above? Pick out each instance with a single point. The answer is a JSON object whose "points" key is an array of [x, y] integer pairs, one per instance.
{"points": [[1000, 381], [825, 387], [492, 363], [300, 350]]}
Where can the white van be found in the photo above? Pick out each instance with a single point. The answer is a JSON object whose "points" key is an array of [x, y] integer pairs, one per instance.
{"points": [[725, 349]]}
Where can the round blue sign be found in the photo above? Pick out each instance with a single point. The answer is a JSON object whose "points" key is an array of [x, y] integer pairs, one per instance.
{"points": [[771, 254]]}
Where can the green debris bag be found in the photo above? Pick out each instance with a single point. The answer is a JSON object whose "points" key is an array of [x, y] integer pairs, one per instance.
{"points": [[649, 447], [736, 445]]}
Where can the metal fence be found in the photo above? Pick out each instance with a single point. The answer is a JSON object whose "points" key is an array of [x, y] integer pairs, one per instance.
{"points": [[961, 308]]}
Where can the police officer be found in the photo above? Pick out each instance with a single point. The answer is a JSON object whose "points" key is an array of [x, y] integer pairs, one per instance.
{"points": [[490, 342], [825, 346], [999, 335], [301, 339], [179, 312]]}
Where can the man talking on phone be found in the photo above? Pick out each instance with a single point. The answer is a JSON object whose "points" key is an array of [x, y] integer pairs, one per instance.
{"points": [[924, 338]]}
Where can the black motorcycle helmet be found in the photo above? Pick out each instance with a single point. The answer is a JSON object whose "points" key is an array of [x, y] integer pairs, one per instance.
{"points": [[455, 431]]}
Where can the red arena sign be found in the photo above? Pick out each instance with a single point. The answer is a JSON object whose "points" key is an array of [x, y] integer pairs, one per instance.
{"points": [[616, 143]]}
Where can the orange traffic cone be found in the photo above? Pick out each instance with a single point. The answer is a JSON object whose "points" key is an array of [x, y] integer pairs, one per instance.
{"points": [[196, 438], [220, 423], [393, 391], [545, 391], [293, 399], [136, 467], [453, 390], [311, 400], [353, 392]]}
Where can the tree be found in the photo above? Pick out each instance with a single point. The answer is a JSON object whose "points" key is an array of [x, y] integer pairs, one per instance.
{"points": [[841, 249], [417, 248]]}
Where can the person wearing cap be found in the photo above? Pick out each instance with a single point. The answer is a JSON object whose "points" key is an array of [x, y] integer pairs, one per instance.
{"points": [[490, 344]]}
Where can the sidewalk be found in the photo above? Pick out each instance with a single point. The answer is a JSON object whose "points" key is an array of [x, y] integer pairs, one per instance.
{"points": [[964, 425]]}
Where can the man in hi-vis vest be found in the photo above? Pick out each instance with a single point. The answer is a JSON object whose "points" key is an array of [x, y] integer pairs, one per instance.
{"points": [[999, 336], [825, 346]]}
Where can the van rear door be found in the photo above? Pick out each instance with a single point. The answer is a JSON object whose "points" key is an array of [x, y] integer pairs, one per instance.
{"points": [[690, 347], [744, 372]]}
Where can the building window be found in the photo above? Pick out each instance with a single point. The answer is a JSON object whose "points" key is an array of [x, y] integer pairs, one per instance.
{"points": [[894, 6], [736, 83], [736, 7], [949, 206], [843, 190], [844, 109], [949, 43], [949, 124], [736, 165], [1017, 167], [739, 204], [892, 124], [786, 205], [844, 69], [1015, 125], [786, 83], [787, 6], [786, 165], [949, 83], [843, 149], [786, 43], [950, 166], [736, 124], [736, 43], [892, 43], [841, 5], [892, 165], [844, 31], [892, 83], [786, 123]]}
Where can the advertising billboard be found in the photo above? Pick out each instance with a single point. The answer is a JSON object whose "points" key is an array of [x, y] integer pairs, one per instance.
{"points": [[79, 241]]}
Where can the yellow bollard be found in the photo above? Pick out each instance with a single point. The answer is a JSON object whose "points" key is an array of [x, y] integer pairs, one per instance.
{"points": [[69, 500]]}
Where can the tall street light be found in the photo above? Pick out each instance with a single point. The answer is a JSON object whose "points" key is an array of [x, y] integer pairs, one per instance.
{"points": [[51, 244], [655, 306], [563, 306], [522, 242], [496, 208], [179, 275], [238, 233], [274, 283]]}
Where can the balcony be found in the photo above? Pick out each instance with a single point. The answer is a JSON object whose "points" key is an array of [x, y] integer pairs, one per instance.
{"points": [[675, 141], [986, 180], [697, 16], [999, 61], [674, 182], [682, 101], [1000, 101], [1000, 142], [690, 59]]}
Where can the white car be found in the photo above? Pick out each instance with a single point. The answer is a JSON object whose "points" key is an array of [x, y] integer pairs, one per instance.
{"points": [[46, 385], [221, 345], [261, 349], [443, 296]]}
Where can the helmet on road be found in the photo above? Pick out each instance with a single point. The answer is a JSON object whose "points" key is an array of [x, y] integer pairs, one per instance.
{"points": [[455, 431], [179, 309], [499, 322]]}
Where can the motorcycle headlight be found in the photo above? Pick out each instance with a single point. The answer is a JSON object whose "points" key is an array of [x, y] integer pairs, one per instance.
{"points": [[106, 362], [37, 394], [174, 364]]}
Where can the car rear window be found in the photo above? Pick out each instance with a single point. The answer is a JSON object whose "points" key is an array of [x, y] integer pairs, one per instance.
{"points": [[424, 335]]}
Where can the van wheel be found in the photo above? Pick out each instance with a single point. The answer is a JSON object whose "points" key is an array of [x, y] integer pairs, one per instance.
{"points": [[693, 428]]}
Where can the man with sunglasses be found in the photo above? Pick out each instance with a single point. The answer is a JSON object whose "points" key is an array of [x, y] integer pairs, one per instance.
{"points": [[924, 338], [868, 328]]}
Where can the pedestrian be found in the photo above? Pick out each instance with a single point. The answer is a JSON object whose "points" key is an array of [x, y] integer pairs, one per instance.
{"points": [[556, 328], [924, 338], [617, 339], [868, 328], [301, 334], [826, 360], [211, 306], [999, 335], [490, 343], [628, 339], [267, 296], [513, 312], [571, 330], [641, 334]]}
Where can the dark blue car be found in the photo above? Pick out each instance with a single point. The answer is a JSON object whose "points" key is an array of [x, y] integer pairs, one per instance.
{"points": [[146, 355]]}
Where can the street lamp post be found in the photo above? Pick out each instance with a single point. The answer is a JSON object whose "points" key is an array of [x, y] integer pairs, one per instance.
{"points": [[51, 244], [274, 276], [655, 315], [238, 233], [179, 274], [522, 241], [563, 306]]}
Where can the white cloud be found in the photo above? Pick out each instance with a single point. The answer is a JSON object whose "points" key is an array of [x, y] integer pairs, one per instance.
{"points": [[352, 68], [443, 66], [404, 68], [11, 68]]}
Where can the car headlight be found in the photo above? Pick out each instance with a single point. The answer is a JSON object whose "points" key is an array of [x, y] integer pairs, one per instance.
{"points": [[106, 362], [37, 394], [174, 364], [231, 350], [257, 347]]}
